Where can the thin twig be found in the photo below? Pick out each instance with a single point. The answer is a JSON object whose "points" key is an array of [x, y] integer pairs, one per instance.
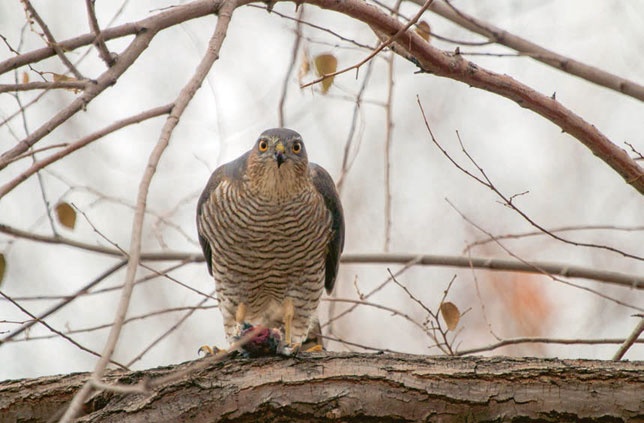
{"points": [[484, 180], [65, 302], [287, 78], [566, 64], [99, 42], [632, 338], [349, 155], [171, 329], [406, 265], [515, 341], [182, 101], [57, 332], [387, 42], [51, 41]]}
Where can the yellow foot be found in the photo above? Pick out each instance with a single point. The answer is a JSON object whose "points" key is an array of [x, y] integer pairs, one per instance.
{"points": [[314, 348], [291, 349], [208, 350]]}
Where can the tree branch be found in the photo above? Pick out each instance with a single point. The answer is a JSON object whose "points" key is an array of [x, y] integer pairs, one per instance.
{"points": [[452, 65], [348, 387], [180, 104], [543, 55]]}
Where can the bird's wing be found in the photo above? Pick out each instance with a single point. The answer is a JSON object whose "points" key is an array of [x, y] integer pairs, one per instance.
{"points": [[325, 186], [233, 171]]}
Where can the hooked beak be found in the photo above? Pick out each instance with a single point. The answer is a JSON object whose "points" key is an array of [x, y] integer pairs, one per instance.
{"points": [[279, 155]]}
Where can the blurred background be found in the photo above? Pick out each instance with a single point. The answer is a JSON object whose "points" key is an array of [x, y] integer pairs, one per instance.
{"points": [[400, 193]]}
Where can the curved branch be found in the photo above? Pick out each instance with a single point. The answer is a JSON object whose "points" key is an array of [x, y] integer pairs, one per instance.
{"points": [[225, 10], [543, 55], [452, 65], [36, 166], [348, 387]]}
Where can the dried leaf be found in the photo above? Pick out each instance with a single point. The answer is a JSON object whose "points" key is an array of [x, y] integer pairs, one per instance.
{"points": [[450, 314], [326, 64], [25, 78], [58, 77], [66, 215], [422, 29], [3, 267]]}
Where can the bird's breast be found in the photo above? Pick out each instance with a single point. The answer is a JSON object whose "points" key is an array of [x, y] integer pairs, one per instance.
{"points": [[256, 238]]}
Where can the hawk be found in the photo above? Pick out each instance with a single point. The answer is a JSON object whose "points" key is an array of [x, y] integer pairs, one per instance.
{"points": [[271, 227]]}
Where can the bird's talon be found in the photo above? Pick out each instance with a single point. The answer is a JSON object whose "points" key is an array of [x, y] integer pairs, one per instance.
{"points": [[291, 350], [208, 350], [314, 348]]}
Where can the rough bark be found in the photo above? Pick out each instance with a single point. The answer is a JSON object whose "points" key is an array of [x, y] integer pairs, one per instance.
{"points": [[351, 387]]}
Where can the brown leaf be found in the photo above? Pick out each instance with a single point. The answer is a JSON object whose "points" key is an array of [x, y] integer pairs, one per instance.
{"points": [[58, 77], [3, 267], [25, 78], [66, 215], [450, 314], [326, 64], [422, 29]]}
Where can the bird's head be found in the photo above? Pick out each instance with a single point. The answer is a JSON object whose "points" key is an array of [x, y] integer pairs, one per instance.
{"points": [[278, 161]]}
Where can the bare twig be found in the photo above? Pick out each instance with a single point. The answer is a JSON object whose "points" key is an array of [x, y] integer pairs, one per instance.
{"points": [[65, 302], [489, 263], [487, 240], [99, 42], [44, 85], [566, 64], [407, 265], [389, 126], [51, 40], [182, 101], [454, 66], [347, 158], [444, 346], [291, 66], [57, 332], [632, 338], [515, 341], [171, 329], [484, 180], [625, 280], [385, 43]]}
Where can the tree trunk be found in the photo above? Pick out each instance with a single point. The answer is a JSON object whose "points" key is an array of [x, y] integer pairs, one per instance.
{"points": [[351, 387]]}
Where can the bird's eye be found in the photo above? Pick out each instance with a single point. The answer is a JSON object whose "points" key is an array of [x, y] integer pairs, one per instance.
{"points": [[263, 146], [297, 147]]}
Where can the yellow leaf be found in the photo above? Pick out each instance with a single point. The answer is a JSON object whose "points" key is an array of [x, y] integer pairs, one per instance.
{"points": [[450, 314], [422, 29], [66, 215], [25, 78], [326, 64], [58, 77], [3, 267]]}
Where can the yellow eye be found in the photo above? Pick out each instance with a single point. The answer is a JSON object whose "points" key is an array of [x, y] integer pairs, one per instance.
{"points": [[263, 146], [296, 148]]}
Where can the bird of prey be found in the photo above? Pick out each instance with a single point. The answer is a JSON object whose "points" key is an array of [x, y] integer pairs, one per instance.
{"points": [[271, 227]]}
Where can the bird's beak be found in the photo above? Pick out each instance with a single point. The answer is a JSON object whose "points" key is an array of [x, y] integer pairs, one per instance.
{"points": [[279, 155]]}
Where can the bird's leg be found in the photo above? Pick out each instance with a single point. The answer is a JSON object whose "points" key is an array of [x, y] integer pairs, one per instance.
{"points": [[240, 314], [289, 312]]}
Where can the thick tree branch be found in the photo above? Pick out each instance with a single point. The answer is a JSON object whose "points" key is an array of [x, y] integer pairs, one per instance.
{"points": [[543, 55], [350, 388], [452, 65], [180, 104]]}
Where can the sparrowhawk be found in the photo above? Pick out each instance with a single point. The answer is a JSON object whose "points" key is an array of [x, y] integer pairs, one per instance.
{"points": [[271, 227]]}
